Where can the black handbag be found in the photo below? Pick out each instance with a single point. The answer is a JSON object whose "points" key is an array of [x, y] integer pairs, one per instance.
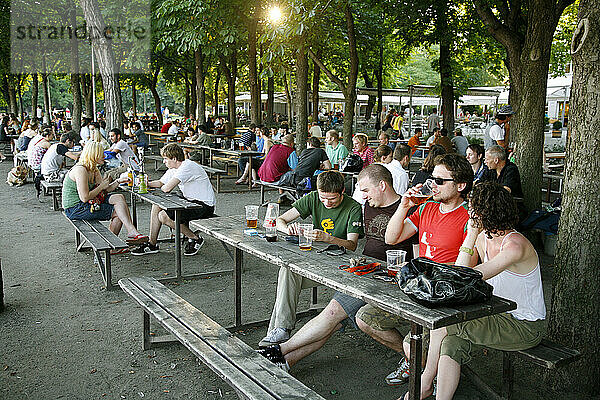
{"points": [[435, 284]]}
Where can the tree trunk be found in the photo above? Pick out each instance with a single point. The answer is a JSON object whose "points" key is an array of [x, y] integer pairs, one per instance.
{"points": [[187, 96], [34, 95], [86, 91], [193, 96], [134, 98], [447, 87], [301, 99], [379, 77], [288, 99], [20, 96], [75, 77], [216, 92], [255, 101], [113, 110], [315, 86], [230, 73], [152, 81], [12, 95], [270, 100], [46, 93], [200, 91], [371, 100], [574, 316]]}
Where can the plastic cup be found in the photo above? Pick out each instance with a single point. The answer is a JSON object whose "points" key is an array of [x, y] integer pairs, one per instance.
{"points": [[424, 193], [251, 216], [304, 239], [395, 261]]}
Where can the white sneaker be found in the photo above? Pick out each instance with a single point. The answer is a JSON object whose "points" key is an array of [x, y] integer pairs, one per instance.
{"points": [[400, 375], [276, 336]]}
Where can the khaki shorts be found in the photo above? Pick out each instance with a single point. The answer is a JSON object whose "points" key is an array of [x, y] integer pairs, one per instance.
{"points": [[500, 332], [380, 320]]}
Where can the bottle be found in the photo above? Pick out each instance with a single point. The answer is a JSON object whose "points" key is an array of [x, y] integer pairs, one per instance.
{"points": [[143, 185], [129, 177], [271, 231]]}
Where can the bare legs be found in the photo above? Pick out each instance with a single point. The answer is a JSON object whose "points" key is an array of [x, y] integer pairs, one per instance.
{"points": [[390, 338], [158, 218], [121, 216]]}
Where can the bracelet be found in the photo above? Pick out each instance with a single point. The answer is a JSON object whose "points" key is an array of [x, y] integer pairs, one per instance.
{"points": [[465, 249]]}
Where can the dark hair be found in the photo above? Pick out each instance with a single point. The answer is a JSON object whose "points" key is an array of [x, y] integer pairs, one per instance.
{"points": [[252, 126], [333, 133], [417, 130], [191, 128], [330, 182], [117, 132], [382, 151], [385, 135], [444, 132], [314, 142], [402, 150], [377, 173], [173, 150], [477, 148], [135, 123], [65, 137], [493, 208], [459, 168], [434, 110], [434, 151]]}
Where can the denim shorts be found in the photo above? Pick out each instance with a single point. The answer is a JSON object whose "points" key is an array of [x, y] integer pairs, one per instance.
{"points": [[351, 305], [83, 211]]}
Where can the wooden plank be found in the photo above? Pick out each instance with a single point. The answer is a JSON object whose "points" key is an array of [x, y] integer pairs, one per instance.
{"points": [[113, 240], [549, 355], [271, 378], [217, 363], [90, 235]]}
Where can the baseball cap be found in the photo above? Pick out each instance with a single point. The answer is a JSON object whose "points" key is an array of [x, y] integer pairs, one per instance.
{"points": [[506, 110]]}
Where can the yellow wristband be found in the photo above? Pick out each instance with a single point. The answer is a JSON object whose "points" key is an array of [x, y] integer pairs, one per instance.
{"points": [[467, 250]]}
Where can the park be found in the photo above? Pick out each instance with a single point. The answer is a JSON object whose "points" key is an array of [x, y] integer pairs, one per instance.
{"points": [[427, 171]]}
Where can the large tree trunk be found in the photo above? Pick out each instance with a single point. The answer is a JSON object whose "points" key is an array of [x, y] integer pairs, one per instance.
{"points": [[216, 92], [255, 101], [12, 95], [575, 315], [193, 96], [446, 78], [152, 81], [230, 72], [200, 91], [371, 100], [46, 93], [288, 99], [34, 95], [20, 96], [315, 86], [187, 96], [86, 91], [379, 78], [301, 99], [75, 77], [270, 99], [109, 71], [527, 59], [134, 97]]}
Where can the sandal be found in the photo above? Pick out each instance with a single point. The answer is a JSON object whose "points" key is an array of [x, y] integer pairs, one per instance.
{"points": [[137, 239], [241, 182], [119, 251]]}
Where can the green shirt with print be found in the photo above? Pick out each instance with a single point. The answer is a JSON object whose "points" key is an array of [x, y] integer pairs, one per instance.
{"points": [[337, 154], [339, 221]]}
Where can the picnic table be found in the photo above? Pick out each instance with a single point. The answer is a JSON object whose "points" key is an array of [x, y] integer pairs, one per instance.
{"points": [[323, 269], [556, 156]]}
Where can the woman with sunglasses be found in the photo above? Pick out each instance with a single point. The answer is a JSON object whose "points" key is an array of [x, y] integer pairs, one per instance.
{"points": [[511, 265]]}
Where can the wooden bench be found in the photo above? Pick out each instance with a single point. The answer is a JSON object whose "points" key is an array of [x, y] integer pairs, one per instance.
{"points": [[101, 240], [251, 375], [215, 172], [54, 187], [264, 185], [547, 354], [158, 161]]}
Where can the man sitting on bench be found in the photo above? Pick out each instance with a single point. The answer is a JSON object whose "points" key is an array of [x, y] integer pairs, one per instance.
{"points": [[511, 265], [53, 162], [337, 219], [195, 186]]}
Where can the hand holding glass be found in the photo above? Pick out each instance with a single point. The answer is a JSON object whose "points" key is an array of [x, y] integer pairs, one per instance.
{"points": [[425, 192], [305, 232]]}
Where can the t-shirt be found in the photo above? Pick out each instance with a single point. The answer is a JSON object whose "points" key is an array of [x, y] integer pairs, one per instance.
{"points": [[142, 138], [509, 176], [367, 156], [399, 175], [433, 121], [204, 140], [493, 132], [337, 153], [173, 130], [446, 142], [339, 221], [461, 143], [248, 138], [430, 141], [413, 142], [54, 158], [309, 161], [124, 153], [440, 234], [194, 182], [275, 163], [165, 127], [376, 222], [84, 133]]}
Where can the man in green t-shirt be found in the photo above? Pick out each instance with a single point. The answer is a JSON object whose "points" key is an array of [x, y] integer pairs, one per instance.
{"points": [[337, 219]]}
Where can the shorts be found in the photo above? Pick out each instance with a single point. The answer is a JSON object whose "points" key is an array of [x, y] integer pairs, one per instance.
{"points": [[380, 320], [350, 305], [185, 216], [83, 211], [499, 331]]}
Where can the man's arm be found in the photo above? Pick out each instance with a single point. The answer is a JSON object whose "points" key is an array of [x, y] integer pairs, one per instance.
{"points": [[73, 155], [167, 187], [283, 221], [322, 236], [399, 228]]}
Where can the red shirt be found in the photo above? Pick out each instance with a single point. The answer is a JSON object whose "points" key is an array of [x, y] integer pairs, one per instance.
{"points": [[275, 163], [366, 155], [413, 142], [440, 234], [165, 127]]}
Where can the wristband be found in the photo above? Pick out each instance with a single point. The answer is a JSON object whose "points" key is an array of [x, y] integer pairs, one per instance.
{"points": [[467, 250]]}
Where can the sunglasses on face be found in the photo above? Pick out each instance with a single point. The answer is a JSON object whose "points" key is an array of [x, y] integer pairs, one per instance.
{"points": [[441, 181]]}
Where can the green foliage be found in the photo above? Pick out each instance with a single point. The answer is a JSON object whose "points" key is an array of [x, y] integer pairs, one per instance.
{"points": [[560, 55]]}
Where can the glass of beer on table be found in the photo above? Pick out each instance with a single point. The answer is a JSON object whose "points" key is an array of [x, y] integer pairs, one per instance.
{"points": [[424, 193], [251, 216], [304, 236]]}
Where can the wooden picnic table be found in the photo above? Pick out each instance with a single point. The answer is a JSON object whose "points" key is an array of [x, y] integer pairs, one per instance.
{"points": [[168, 202], [559, 156], [324, 269]]}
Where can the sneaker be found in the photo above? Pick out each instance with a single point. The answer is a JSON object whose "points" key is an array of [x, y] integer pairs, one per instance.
{"points": [[145, 248], [193, 246], [273, 353], [119, 251], [400, 375], [276, 336]]}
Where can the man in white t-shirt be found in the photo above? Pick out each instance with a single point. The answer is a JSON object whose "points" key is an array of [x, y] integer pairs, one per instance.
{"points": [[53, 161], [174, 129], [399, 167], [195, 186], [315, 130], [120, 147]]}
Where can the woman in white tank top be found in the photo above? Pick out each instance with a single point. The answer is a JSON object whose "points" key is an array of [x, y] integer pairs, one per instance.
{"points": [[510, 264]]}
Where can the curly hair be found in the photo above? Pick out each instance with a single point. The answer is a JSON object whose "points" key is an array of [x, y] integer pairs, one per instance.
{"points": [[493, 208], [434, 151]]}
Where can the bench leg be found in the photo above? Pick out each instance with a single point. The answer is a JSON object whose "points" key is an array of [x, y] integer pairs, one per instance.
{"points": [[262, 194], [314, 299], [146, 343], [78, 242], [508, 375], [237, 280], [108, 271], [55, 200], [218, 183], [414, 380]]}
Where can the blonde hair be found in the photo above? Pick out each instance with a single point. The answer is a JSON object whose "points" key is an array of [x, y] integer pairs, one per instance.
{"points": [[92, 151], [364, 139]]}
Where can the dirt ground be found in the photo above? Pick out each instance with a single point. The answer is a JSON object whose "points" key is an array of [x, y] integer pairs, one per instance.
{"points": [[62, 336]]}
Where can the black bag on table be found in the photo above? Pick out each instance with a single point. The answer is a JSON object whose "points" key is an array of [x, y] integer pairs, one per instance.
{"points": [[435, 284]]}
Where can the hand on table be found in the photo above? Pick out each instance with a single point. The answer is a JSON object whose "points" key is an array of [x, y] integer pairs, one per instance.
{"points": [[320, 236], [293, 229]]}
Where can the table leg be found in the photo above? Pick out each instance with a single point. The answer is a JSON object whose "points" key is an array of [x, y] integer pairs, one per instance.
{"points": [[250, 173], [237, 283], [133, 211], [178, 242], [210, 156], [416, 344]]}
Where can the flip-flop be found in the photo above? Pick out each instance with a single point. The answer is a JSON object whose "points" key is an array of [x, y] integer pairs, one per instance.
{"points": [[137, 239], [241, 182]]}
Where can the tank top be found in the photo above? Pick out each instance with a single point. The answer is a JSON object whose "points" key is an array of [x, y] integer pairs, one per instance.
{"points": [[70, 195], [525, 290]]}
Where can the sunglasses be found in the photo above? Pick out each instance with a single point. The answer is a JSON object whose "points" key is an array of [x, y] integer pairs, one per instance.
{"points": [[441, 181]]}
